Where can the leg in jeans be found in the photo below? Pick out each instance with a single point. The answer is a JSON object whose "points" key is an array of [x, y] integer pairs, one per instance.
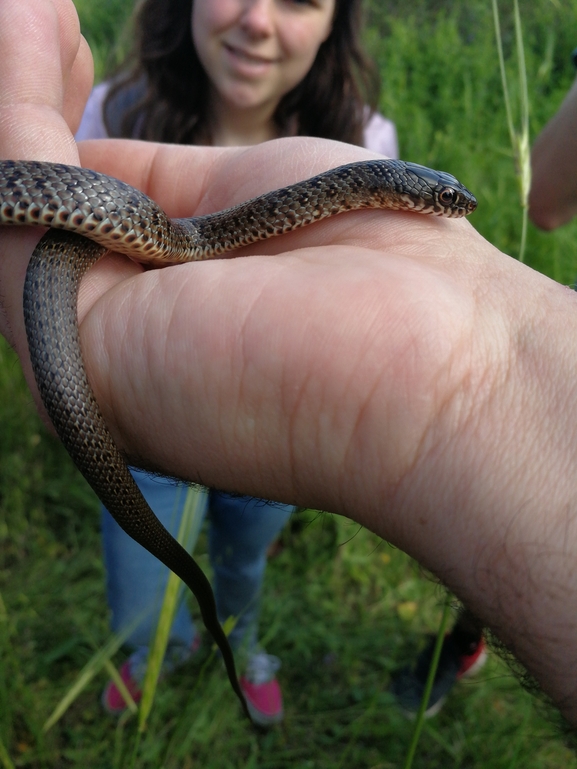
{"points": [[241, 531], [136, 580]]}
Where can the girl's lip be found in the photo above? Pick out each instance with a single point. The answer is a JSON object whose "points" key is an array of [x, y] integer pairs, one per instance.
{"points": [[250, 58]]}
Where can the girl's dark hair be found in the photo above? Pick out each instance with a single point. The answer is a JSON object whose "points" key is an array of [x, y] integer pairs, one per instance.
{"points": [[161, 93]]}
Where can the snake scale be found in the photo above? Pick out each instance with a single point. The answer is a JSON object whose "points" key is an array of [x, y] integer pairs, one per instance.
{"points": [[90, 213]]}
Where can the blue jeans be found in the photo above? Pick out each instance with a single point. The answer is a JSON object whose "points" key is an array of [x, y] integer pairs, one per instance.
{"points": [[241, 531]]}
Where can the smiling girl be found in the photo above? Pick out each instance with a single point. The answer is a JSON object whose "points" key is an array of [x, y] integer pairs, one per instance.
{"points": [[227, 73]]}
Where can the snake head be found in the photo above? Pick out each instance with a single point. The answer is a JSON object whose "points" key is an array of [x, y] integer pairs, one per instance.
{"points": [[441, 194]]}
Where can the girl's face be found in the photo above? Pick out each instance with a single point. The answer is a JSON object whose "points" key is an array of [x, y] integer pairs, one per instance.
{"points": [[256, 51]]}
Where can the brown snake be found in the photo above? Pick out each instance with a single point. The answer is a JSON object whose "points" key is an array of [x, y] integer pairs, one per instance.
{"points": [[90, 213]]}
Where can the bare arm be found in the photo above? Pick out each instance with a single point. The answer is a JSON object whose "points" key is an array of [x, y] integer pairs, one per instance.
{"points": [[553, 198]]}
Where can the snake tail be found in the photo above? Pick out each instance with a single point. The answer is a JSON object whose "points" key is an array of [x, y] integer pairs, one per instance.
{"points": [[51, 290]]}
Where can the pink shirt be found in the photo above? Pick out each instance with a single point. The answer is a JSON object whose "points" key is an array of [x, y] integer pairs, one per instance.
{"points": [[380, 134]]}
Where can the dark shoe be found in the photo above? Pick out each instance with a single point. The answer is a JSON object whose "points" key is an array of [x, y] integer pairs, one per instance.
{"points": [[408, 685]]}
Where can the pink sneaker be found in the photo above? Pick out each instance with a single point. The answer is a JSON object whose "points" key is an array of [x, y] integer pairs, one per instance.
{"points": [[261, 689], [112, 700], [132, 674]]}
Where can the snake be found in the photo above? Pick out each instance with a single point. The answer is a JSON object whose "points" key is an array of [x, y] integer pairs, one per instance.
{"points": [[88, 214]]}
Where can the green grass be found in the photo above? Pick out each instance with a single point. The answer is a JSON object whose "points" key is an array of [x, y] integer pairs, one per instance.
{"points": [[342, 609], [442, 87]]}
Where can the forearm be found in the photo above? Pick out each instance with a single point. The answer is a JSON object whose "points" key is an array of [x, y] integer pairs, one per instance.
{"points": [[449, 436], [553, 197], [445, 429]]}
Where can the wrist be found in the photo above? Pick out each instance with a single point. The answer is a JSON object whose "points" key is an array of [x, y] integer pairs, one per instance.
{"points": [[500, 531]]}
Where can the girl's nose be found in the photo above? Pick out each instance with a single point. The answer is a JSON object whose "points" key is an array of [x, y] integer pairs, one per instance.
{"points": [[257, 18]]}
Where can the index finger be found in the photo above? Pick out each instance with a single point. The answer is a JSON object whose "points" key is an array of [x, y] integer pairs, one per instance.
{"points": [[202, 179], [43, 65]]}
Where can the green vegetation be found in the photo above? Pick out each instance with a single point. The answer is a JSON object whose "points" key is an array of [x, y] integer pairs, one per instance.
{"points": [[342, 609]]}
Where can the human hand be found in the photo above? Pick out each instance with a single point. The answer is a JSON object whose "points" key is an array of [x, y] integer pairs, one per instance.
{"points": [[390, 367], [553, 196], [45, 78]]}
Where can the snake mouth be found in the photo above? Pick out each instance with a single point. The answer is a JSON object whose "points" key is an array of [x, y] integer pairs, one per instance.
{"points": [[431, 206], [472, 205], [463, 204]]}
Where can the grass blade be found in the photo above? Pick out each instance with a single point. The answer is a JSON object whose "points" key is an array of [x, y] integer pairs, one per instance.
{"points": [[5, 758], [519, 139], [190, 524], [503, 72], [100, 660], [420, 720]]}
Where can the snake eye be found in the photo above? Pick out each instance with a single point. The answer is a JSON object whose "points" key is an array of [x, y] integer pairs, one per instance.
{"points": [[447, 196]]}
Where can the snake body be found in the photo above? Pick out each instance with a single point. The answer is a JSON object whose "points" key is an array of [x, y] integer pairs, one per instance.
{"points": [[90, 213]]}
